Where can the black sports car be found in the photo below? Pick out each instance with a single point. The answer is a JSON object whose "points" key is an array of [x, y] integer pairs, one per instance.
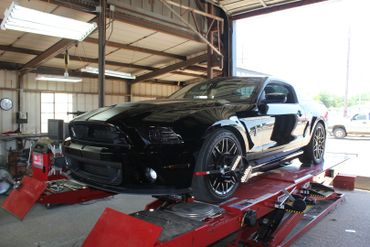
{"points": [[206, 138]]}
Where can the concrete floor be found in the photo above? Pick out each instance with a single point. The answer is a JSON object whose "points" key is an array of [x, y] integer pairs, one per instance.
{"points": [[347, 225], [68, 226], [355, 147], [63, 226]]}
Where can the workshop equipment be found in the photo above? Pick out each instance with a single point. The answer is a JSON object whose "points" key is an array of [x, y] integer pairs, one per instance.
{"points": [[271, 209], [49, 184], [43, 157]]}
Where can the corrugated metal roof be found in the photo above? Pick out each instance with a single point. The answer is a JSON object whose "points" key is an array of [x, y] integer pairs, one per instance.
{"points": [[240, 7], [123, 33], [14, 57]]}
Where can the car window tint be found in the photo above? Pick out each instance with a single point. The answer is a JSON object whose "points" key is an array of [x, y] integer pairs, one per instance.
{"points": [[198, 91], [279, 89], [245, 91], [232, 90], [359, 117]]}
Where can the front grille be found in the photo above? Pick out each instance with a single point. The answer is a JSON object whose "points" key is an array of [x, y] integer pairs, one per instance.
{"points": [[98, 133], [106, 172], [95, 170]]}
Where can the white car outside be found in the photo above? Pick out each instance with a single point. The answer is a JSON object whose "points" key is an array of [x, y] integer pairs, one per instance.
{"points": [[357, 124]]}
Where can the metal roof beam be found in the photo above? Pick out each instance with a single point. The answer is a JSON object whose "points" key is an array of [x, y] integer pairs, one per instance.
{"points": [[60, 71], [74, 58], [273, 8], [48, 54], [201, 37], [51, 52], [108, 62], [126, 17], [171, 68], [136, 48]]}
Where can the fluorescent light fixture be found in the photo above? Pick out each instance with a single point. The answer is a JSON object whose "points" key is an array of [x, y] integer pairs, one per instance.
{"points": [[108, 72], [24, 19], [58, 78]]}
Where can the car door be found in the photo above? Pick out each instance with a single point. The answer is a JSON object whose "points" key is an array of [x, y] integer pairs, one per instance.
{"points": [[282, 106], [360, 124]]}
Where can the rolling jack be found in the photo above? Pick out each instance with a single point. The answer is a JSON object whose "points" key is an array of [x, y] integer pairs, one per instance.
{"points": [[49, 184]]}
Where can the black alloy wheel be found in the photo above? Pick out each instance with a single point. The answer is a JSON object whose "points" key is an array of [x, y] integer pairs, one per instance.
{"points": [[221, 159], [319, 140], [218, 153], [315, 150]]}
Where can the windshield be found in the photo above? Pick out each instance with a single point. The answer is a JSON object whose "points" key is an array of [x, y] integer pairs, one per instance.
{"points": [[233, 89]]}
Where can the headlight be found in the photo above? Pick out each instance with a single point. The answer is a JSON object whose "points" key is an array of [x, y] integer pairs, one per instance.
{"points": [[164, 135]]}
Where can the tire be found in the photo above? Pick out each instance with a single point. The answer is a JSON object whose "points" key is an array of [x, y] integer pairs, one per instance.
{"points": [[315, 150], [339, 133], [5, 181], [218, 150]]}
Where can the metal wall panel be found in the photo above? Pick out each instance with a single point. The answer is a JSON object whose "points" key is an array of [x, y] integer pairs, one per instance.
{"points": [[88, 85], [8, 79], [137, 98], [153, 90], [84, 96], [31, 103], [85, 102], [5, 124]]}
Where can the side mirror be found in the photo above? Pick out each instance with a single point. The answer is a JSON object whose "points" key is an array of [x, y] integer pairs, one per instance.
{"points": [[275, 98], [263, 107]]}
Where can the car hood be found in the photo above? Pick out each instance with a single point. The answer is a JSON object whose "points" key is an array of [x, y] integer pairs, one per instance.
{"points": [[160, 111]]}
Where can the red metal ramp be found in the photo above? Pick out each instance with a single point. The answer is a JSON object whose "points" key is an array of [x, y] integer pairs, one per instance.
{"points": [[32, 190], [115, 229], [22, 199]]}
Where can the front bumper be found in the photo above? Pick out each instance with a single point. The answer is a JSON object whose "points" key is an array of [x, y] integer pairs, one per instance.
{"points": [[132, 189], [122, 170]]}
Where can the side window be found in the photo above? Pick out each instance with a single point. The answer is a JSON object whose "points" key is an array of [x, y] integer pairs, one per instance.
{"points": [[360, 117], [245, 91], [279, 91]]}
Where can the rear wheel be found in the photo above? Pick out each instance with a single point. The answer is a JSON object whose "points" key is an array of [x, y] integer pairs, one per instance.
{"points": [[314, 151], [217, 154], [339, 132]]}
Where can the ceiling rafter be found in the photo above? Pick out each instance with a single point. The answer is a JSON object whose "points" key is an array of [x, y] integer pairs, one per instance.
{"points": [[172, 67], [201, 37], [272, 8], [95, 60], [59, 71], [48, 54], [136, 48], [51, 52], [137, 21], [263, 3], [63, 44]]}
